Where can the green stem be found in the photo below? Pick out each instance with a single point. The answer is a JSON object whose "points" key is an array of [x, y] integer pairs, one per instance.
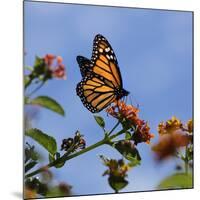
{"points": [[114, 128], [28, 81], [36, 89], [29, 68], [117, 134], [186, 160], [66, 157]]}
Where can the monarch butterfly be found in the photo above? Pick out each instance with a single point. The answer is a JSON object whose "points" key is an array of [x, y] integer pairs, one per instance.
{"points": [[101, 82]]}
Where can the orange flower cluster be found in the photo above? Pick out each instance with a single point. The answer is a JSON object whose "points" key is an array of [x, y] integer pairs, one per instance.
{"points": [[58, 71], [173, 135], [128, 116], [169, 144], [170, 126], [120, 110], [29, 194], [142, 133]]}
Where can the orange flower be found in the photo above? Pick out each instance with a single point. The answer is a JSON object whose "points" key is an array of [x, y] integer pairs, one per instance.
{"points": [[28, 193], [142, 133], [128, 116], [170, 126], [169, 144], [49, 58], [122, 111]]}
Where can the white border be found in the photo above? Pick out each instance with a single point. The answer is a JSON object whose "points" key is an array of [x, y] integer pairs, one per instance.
{"points": [[11, 97]]}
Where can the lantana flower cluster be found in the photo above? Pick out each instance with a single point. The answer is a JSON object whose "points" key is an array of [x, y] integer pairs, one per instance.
{"points": [[55, 65], [173, 135], [128, 116]]}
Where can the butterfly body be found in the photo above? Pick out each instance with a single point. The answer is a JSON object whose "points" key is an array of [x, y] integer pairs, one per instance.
{"points": [[101, 82], [120, 93]]}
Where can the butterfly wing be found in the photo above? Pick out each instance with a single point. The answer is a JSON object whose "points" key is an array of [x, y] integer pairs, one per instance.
{"points": [[104, 62], [95, 93], [101, 77], [84, 65]]}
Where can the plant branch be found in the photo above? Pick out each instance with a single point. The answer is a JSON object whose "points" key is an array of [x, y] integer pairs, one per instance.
{"points": [[114, 128], [66, 157], [186, 160], [28, 81], [36, 89]]}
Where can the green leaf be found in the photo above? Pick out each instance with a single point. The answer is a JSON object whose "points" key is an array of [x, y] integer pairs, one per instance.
{"points": [[30, 165], [29, 68], [27, 81], [179, 180], [127, 135], [59, 191], [48, 103], [30, 153], [117, 183], [39, 66], [100, 121], [51, 158], [26, 100], [134, 161], [129, 151], [48, 142]]}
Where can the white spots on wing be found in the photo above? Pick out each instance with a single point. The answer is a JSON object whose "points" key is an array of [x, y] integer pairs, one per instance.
{"points": [[107, 49], [108, 56], [100, 50]]}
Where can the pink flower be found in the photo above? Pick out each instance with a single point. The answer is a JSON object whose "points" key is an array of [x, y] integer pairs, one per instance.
{"points": [[58, 70]]}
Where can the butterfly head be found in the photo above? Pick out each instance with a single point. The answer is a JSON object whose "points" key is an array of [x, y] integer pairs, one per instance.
{"points": [[120, 93], [125, 93]]}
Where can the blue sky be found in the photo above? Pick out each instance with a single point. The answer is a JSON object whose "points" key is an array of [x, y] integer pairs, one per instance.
{"points": [[154, 52]]}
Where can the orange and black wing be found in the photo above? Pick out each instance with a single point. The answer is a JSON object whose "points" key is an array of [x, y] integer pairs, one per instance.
{"points": [[104, 62], [95, 92], [84, 65], [102, 83]]}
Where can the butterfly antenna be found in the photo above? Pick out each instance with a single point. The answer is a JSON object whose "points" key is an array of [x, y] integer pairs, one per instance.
{"points": [[136, 102], [126, 99]]}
